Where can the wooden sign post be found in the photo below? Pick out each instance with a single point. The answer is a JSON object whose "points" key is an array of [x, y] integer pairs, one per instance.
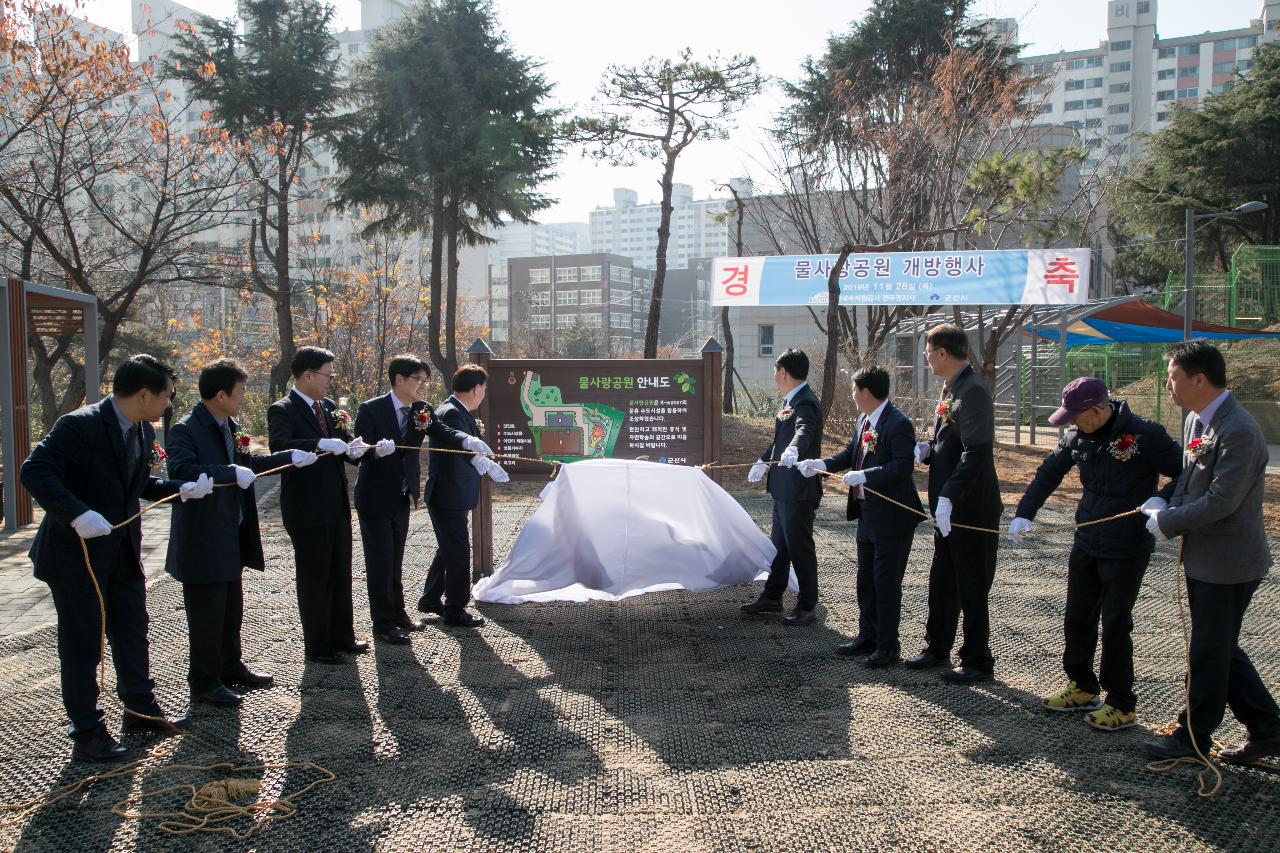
{"points": [[568, 410]]}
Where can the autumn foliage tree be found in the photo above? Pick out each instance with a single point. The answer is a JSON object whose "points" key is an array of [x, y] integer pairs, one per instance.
{"points": [[98, 188]]}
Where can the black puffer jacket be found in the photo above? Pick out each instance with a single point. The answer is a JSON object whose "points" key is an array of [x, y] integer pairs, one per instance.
{"points": [[1111, 485]]}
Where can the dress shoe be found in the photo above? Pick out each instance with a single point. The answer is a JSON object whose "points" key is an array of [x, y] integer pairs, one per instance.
{"points": [[425, 606], [394, 636], [763, 604], [1169, 747], [162, 725], [880, 659], [325, 658], [98, 746], [856, 646], [355, 647], [926, 660], [462, 620], [249, 679], [217, 695], [965, 674], [800, 617], [1252, 750], [406, 623]]}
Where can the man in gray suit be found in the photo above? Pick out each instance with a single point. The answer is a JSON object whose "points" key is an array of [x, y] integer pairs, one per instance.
{"points": [[1216, 507]]}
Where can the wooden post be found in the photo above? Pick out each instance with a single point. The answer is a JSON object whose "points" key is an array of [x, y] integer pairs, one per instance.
{"points": [[482, 516], [20, 419], [712, 379]]}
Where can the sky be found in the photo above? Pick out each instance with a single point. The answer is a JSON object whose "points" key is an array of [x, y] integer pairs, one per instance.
{"points": [[577, 39]]}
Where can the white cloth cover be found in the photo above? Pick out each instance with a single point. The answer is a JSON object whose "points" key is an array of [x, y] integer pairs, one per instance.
{"points": [[612, 528]]}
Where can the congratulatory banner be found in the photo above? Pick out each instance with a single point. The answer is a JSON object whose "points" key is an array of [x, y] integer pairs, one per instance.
{"points": [[997, 277]]}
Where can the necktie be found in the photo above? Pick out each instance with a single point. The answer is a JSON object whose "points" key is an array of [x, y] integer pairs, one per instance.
{"points": [[320, 419], [402, 417], [1197, 429], [132, 445], [859, 429]]}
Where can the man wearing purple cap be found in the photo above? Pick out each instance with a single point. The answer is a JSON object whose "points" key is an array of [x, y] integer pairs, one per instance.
{"points": [[1120, 457]]}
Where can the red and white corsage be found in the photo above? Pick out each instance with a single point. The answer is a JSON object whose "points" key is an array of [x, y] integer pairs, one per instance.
{"points": [[869, 442], [1198, 447], [157, 455], [1125, 447], [343, 419], [422, 419], [947, 409], [784, 413], [242, 440]]}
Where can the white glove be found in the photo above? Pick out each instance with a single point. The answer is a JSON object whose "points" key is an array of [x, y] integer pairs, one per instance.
{"points": [[756, 474], [1017, 528], [923, 449], [475, 445], [854, 478], [90, 524], [331, 445], [196, 490], [244, 477], [357, 448], [384, 448], [942, 516], [497, 473], [811, 467], [301, 458], [789, 457], [481, 464], [1156, 503], [1153, 524]]}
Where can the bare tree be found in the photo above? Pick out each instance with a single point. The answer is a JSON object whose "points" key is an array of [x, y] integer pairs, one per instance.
{"points": [[657, 110], [99, 188]]}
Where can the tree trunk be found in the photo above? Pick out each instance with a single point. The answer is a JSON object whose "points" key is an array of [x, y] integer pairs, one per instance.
{"points": [[831, 362], [728, 406], [660, 273], [451, 291], [728, 403], [437, 265], [281, 371]]}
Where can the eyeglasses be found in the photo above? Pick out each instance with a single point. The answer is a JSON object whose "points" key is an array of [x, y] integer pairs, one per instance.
{"points": [[328, 375], [421, 380]]}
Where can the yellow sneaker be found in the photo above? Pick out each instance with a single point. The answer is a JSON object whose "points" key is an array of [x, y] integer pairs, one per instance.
{"points": [[1109, 719], [1072, 698]]}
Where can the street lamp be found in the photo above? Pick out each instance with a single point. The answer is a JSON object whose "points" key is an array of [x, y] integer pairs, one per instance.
{"points": [[1188, 302]]}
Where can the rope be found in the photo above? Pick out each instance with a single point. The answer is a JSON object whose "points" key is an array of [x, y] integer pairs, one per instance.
{"points": [[1209, 769], [991, 530], [206, 808]]}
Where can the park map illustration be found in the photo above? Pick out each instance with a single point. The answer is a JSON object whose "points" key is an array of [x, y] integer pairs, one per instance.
{"points": [[566, 432]]}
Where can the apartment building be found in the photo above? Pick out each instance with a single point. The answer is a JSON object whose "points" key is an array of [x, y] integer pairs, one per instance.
{"points": [[1125, 87], [699, 228], [541, 298]]}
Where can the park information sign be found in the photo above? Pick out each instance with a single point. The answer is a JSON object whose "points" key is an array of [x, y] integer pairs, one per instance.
{"points": [[569, 410], [996, 277], [663, 410]]}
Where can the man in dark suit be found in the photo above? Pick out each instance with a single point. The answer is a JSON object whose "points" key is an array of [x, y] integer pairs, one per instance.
{"points": [[880, 455], [797, 434], [315, 508], [962, 488], [211, 541], [452, 491], [389, 481], [1215, 505], [89, 473], [1120, 458]]}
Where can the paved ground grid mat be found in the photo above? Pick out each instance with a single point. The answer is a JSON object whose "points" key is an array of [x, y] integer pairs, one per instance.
{"points": [[665, 722]]}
